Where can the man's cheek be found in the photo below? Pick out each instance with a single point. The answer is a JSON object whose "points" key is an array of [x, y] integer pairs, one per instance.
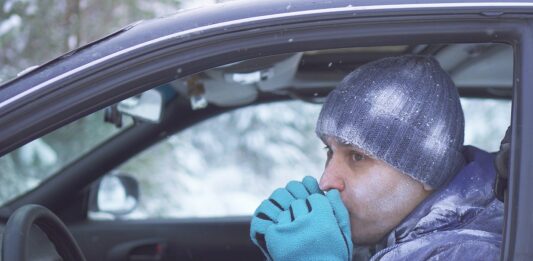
{"points": [[351, 202], [346, 195], [359, 193]]}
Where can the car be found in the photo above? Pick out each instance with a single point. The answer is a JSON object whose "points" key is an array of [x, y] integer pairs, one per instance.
{"points": [[157, 141]]}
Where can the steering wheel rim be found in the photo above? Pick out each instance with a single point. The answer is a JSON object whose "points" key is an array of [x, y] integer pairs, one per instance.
{"points": [[17, 231]]}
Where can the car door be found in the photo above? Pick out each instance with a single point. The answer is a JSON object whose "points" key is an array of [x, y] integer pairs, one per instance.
{"points": [[155, 52]]}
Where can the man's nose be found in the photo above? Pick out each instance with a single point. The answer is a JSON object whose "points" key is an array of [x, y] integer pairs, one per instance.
{"points": [[331, 178]]}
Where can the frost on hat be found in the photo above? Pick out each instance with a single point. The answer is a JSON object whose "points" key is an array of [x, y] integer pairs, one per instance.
{"points": [[403, 110]]}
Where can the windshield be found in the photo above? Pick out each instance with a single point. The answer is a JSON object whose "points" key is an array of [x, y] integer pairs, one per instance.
{"points": [[28, 166]]}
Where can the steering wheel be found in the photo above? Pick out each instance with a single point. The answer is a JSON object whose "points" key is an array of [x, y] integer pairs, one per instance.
{"points": [[31, 218]]}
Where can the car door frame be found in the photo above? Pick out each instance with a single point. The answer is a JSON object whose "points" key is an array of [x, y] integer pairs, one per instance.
{"points": [[33, 105]]}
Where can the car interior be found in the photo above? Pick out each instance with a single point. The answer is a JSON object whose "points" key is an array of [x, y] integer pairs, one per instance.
{"points": [[481, 71]]}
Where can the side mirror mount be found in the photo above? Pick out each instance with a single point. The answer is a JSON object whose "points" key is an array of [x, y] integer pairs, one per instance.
{"points": [[116, 195], [147, 106]]}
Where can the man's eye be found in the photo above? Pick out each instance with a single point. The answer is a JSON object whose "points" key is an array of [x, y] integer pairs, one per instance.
{"points": [[356, 156]]}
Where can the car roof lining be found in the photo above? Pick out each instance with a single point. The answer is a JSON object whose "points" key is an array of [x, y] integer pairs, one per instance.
{"points": [[478, 70]]}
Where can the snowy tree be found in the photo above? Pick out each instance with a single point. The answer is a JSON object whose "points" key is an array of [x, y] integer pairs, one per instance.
{"points": [[33, 32], [228, 164]]}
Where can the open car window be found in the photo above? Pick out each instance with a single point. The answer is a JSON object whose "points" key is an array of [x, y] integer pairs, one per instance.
{"points": [[226, 165], [258, 147]]}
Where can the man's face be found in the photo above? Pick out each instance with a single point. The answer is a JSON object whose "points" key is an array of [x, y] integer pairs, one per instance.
{"points": [[377, 195]]}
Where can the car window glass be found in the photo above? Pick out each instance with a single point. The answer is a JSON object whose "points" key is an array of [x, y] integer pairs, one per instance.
{"points": [[28, 166], [486, 121], [226, 165]]}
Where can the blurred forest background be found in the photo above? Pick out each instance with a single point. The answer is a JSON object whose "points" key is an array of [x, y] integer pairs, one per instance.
{"points": [[268, 144], [33, 32]]}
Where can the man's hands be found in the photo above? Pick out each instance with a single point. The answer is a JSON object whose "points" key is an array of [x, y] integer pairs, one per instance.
{"points": [[299, 222]]}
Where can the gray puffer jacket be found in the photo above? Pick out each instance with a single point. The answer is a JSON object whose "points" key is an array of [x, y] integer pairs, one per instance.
{"points": [[461, 221]]}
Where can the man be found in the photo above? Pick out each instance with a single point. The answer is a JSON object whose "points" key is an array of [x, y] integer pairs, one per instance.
{"points": [[396, 174]]}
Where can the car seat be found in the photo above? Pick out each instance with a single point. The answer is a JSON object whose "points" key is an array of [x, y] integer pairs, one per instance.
{"points": [[501, 163]]}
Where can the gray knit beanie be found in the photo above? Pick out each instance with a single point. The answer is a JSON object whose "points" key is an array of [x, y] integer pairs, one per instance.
{"points": [[402, 110]]}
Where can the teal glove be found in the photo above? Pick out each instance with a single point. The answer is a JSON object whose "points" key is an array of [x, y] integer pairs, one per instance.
{"points": [[279, 201], [300, 223]]}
